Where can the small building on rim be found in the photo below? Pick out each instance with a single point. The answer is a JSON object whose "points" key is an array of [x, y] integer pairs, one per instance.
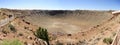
{"points": [[116, 12]]}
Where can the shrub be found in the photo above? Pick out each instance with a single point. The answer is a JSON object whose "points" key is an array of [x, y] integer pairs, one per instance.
{"points": [[12, 28], [20, 34], [11, 42], [5, 31], [114, 33], [107, 40], [42, 34]]}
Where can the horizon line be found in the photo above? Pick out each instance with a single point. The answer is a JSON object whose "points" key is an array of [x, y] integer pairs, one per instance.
{"points": [[54, 9]]}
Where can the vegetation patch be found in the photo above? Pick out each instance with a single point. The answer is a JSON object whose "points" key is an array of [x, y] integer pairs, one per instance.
{"points": [[108, 40], [114, 33], [42, 34], [12, 28], [11, 42]]}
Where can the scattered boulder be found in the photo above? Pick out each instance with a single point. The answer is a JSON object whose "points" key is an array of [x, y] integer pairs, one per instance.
{"points": [[29, 37], [9, 16], [69, 34]]}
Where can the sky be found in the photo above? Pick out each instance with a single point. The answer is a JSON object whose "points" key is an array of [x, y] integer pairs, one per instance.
{"points": [[61, 4]]}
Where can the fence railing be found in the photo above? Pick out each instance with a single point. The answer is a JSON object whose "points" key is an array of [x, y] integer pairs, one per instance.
{"points": [[116, 40]]}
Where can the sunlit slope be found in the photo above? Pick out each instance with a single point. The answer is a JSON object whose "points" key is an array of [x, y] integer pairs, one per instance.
{"points": [[68, 21]]}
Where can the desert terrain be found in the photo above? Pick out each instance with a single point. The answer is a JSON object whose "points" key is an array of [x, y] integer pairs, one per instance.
{"points": [[65, 27]]}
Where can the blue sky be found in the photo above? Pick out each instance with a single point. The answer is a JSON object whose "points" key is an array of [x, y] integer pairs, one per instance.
{"points": [[62, 4]]}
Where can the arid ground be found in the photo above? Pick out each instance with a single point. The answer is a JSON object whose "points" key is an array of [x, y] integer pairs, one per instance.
{"points": [[65, 27]]}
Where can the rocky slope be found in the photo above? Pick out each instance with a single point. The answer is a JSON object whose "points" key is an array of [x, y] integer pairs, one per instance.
{"points": [[78, 27], [67, 21]]}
